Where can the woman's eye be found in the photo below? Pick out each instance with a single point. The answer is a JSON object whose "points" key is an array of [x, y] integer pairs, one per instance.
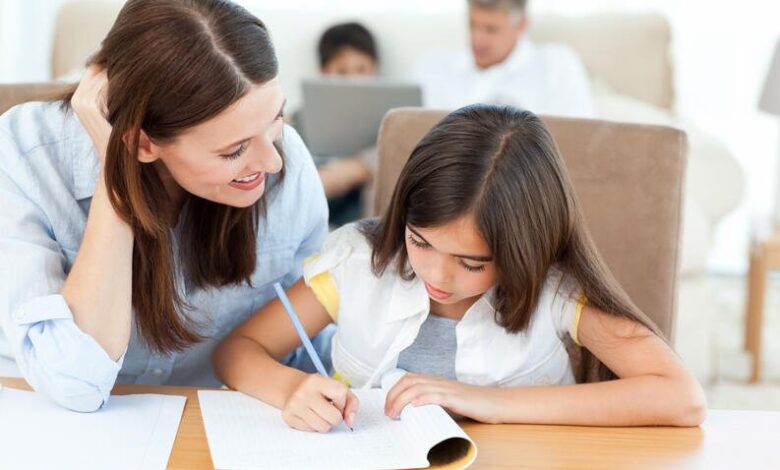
{"points": [[240, 151]]}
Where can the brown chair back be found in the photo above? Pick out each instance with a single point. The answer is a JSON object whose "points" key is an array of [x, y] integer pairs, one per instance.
{"points": [[628, 179]]}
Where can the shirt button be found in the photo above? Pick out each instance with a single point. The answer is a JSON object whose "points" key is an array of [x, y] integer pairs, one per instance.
{"points": [[157, 372], [19, 314]]}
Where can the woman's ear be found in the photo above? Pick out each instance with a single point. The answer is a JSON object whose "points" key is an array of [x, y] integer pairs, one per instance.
{"points": [[148, 151]]}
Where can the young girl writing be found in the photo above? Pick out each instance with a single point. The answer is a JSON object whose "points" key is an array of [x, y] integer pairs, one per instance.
{"points": [[477, 280]]}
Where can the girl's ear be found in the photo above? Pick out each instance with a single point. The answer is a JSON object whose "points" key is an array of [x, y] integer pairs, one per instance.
{"points": [[148, 151]]}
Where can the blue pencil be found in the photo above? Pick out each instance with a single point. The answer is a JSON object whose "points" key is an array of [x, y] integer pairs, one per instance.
{"points": [[301, 332]]}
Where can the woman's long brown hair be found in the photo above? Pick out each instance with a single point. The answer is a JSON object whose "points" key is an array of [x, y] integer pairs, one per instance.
{"points": [[173, 64], [502, 165]]}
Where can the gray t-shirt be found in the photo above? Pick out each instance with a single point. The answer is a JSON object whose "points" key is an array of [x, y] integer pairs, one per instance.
{"points": [[433, 351]]}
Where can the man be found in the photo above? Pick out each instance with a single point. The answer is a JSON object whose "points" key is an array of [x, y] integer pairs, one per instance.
{"points": [[505, 67]]}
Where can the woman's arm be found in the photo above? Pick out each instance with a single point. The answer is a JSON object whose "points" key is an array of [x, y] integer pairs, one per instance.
{"points": [[98, 288], [248, 361], [654, 387]]}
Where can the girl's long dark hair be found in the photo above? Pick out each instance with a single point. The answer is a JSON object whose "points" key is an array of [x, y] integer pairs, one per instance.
{"points": [[502, 165]]}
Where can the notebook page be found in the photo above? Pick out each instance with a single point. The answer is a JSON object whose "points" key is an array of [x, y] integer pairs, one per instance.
{"points": [[429, 425], [130, 432], [245, 433]]}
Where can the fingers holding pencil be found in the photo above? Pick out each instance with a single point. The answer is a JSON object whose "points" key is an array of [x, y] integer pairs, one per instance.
{"points": [[319, 404]]}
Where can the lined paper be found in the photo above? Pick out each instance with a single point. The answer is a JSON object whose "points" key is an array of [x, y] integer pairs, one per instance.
{"points": [[245, 433]]}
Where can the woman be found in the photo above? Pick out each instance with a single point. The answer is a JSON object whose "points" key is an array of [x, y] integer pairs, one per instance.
{"points": [[131, 245]]}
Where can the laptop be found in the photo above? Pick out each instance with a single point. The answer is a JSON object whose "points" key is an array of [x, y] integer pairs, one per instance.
{"points": [[341, 116]]}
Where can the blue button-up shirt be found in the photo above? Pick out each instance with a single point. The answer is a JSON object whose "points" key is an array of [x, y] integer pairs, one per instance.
{"points": [[48, 172]]}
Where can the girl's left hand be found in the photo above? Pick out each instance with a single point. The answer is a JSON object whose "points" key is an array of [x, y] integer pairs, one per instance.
{"points": [[472, 401]]}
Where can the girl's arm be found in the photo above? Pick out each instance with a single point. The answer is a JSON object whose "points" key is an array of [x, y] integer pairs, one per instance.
{"points": [[248, 361], [654, 387]]}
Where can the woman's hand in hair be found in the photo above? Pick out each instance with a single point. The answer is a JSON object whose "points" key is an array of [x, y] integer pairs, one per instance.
{"points": [[472, 401], [89, 103]]}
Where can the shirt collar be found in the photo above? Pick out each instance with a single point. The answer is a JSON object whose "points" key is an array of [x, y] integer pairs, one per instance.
{"points": [[521, 55], [409, 299]]}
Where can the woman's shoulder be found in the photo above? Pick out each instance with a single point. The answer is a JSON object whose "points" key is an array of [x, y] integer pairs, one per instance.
{"points": [[40, 130], [36, 123], [301, 183], [296, 154]]}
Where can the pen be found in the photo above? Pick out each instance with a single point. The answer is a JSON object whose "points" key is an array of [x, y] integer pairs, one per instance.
{"points": [[302, 333]]}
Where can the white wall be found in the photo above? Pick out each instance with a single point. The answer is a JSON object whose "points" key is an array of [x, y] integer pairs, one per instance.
{"points": [[25, 39], [721, 53]]}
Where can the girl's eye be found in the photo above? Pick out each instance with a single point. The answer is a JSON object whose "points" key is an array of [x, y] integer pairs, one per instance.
{"points": [[473, 269], [240, 151], [418, 243]]}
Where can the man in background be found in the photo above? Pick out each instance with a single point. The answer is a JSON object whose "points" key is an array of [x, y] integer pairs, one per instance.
{"points": [[505, 67]]}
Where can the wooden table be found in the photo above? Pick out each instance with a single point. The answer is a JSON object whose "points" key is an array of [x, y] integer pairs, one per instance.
{"points": [[728, 439]]}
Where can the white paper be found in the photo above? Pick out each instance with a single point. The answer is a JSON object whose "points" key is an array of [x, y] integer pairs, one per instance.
{"points": [[130, 432], [245, 433]]}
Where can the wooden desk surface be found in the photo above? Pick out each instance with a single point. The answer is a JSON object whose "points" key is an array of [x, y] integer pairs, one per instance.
{"points": [[728, 439]]}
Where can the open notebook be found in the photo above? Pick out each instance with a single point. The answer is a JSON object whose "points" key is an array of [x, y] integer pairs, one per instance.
{"points": [[245, 433]]}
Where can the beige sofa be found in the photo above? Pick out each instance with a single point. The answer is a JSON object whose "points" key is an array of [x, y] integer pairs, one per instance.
{"points": [[627, 57]]}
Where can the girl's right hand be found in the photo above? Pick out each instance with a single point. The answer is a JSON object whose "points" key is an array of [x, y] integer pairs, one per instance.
{"points": [[89, 104], [319, 404]]}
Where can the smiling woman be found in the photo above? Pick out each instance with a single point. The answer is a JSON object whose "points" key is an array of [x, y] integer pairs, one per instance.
{"points": [[150, 211]]}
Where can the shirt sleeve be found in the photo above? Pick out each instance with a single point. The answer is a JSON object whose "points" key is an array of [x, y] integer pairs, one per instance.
{"points": [[567, 302], [325, 272], [51, 352]]}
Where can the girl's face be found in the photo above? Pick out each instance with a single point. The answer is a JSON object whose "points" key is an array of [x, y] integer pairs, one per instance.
{"points": [[227, 158], [453, 261]]}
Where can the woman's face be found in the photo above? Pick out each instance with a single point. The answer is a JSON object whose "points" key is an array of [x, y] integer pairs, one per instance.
{"points": [[226, 159]]}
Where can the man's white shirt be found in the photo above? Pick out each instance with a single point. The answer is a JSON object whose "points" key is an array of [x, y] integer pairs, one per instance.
{"points": [[543, 78]]}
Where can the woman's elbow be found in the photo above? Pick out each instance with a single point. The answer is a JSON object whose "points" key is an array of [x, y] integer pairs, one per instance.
{"points": [[86, 403]]}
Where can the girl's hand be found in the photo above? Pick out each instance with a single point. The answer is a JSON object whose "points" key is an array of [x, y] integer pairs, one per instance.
{"points": [[478, 403], [319, 404], [89, 104]]}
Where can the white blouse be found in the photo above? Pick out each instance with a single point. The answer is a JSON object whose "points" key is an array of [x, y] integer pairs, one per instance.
{"points": [[378, 317]]}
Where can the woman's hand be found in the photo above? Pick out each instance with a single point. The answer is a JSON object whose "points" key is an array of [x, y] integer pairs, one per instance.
{"points": [[478, 403], [318, 404], [89, 103]]}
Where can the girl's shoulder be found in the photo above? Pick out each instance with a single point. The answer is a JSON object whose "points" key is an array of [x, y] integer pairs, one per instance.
{"points": [[561, 284], [346, 249], [352, 236]]}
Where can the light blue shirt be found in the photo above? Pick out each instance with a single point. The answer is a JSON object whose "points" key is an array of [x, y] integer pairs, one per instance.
{"points": [[48, 172]]}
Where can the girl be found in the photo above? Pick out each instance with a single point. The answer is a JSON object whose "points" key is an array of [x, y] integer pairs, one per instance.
{"points": [[475, 281], [147, 214]]}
